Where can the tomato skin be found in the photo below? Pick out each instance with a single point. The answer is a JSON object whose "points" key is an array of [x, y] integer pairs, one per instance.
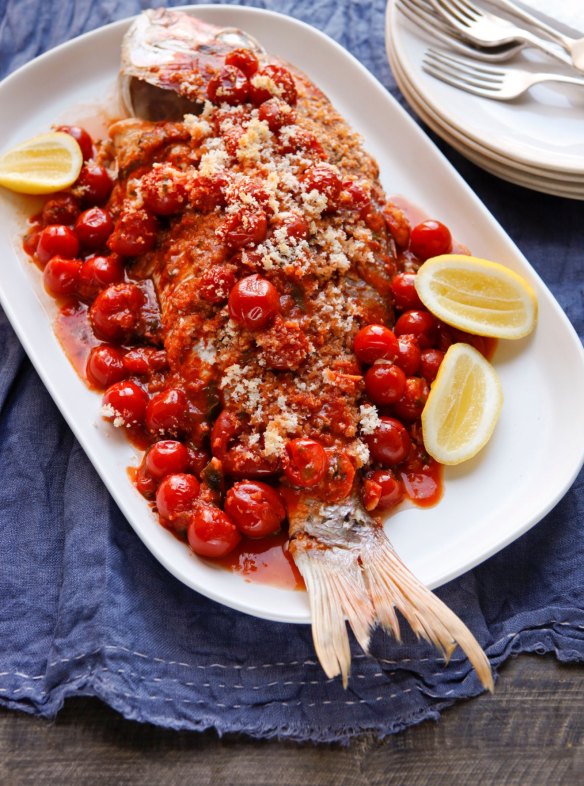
{"points": [[411, 404], [207, 192], [385, 383], [285, 87], [163, 194], [168, 412], [57, 240], [305, 462], [276, 113], [97, 273], [256, 508], [392, 490], [94, 185], [293, 223], [420, 323], [176, 494], [115, 312], [82, 138], [134, 234], [390, 442], [142, 361], [105, 365], [375, 342], [404, 292], [245, 228], [324, 179], [430, 363], [93, 227], [244, 59], [229, 86], [61, 276], [60, 209], [144, 482], [339, 477], [430, 239], [166, 457], [254, 302], [226, 427], [128, 402], [409, 355], [211, 533], [216, 284]]}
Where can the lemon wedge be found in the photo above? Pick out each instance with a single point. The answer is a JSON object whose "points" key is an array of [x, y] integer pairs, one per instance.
{"points": [[478, 296], [44, 164], [463, 407]]}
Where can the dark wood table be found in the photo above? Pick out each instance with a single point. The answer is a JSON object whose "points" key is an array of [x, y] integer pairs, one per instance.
{"points": [[530, 732]]}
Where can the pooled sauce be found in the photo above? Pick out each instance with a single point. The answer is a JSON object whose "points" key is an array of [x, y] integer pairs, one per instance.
{"points": [[265, 561]]}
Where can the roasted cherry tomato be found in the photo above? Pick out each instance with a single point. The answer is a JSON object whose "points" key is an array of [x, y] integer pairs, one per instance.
{"points": [[97, 273], [168, 412], [141, 361], [276, 113], [167, 457], [305, 462], [60, 209], [292, 223], [125, 403], [134, 234], [324, 179], [390, 442], [116, 311], [408, 354], [82, 138], [31, 240], [94, 185], [207, 192], [216, 284], [61, 276], [226, 427], [229, 86], [256, 508], [244, 59], [163, 193], [385, 383], [411, 404], [93, 227], [245, 228], [382, 490], [375, 342], [254, 302], [211, 533], [272, 81], [339, 476], [57, 240], [176, 495], [105, 365], [419, 323], [430, 363], [404, 292], [145, 483], [430, 239]]}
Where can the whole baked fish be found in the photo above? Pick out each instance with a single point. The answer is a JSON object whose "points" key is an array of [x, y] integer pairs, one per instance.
{"points": [[277, 247]]}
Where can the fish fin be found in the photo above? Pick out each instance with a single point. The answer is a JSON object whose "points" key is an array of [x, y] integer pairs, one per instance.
{"points": [[337, 594], [392, 586]]}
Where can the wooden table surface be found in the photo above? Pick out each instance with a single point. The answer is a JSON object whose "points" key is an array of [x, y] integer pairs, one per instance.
{"points": [[530, 732]]}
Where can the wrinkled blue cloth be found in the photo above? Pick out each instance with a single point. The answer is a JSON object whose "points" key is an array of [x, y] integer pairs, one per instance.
{"points": [[86, 610]]}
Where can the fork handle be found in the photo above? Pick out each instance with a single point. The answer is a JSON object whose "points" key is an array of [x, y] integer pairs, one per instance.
{"points": [[545, 46], [564, 40], [565, 78]]}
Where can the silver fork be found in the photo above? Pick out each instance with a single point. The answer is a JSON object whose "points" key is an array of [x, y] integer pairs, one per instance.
{"points": [[487, 29], [423, 15], [488, 81]]}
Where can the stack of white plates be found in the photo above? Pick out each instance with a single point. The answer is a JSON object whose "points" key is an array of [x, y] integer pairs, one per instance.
{"points": [[536, 141]]}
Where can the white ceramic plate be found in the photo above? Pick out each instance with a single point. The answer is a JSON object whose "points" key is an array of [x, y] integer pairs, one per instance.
{"points": [[542, 129], [488, 502]]}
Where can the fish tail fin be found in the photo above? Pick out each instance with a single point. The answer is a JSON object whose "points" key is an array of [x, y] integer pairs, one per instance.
{"points": [[392, 585]]}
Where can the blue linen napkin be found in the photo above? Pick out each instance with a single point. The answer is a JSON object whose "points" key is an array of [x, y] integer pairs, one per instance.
{"points": [[86, 610]]}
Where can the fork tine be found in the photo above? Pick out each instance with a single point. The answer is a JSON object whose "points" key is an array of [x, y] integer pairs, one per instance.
{"points": [[468, 9], [460, 78], [449, 10], [466, 65], [444, 76]]}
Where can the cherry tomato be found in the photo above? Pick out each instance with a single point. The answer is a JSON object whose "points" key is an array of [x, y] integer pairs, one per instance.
{"points": [[324, 179], [141, 361], [340, 475], [254, 302], [430, 363], [397, 224], [294, 224], [167, 457], [408, 354], [163, 193], [404, 292], [244, 59], [385, 383], [355, 197], [198, 460], [294, 139], [83, 139], [60, 209], [61, 276], [127, 401], [385, 488], [176, 495], [305, 462], [256, 508], [94, 185], [225, 428], [57, 240], [411, 404], [168, 412], [93, 227], [105, 365], [208, 192], [134, 234], [276, 113], [211, 533], [245, 228], [98, 272], [144, 482], [375, 342], [419, 323], [390, 442], [229, 86], [429, 239], [115, 313], [271, 81], [216, 284], [31, 240]]}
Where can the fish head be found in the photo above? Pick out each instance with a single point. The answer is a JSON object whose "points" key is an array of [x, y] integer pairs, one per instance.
{"points": [[168, 59]]}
